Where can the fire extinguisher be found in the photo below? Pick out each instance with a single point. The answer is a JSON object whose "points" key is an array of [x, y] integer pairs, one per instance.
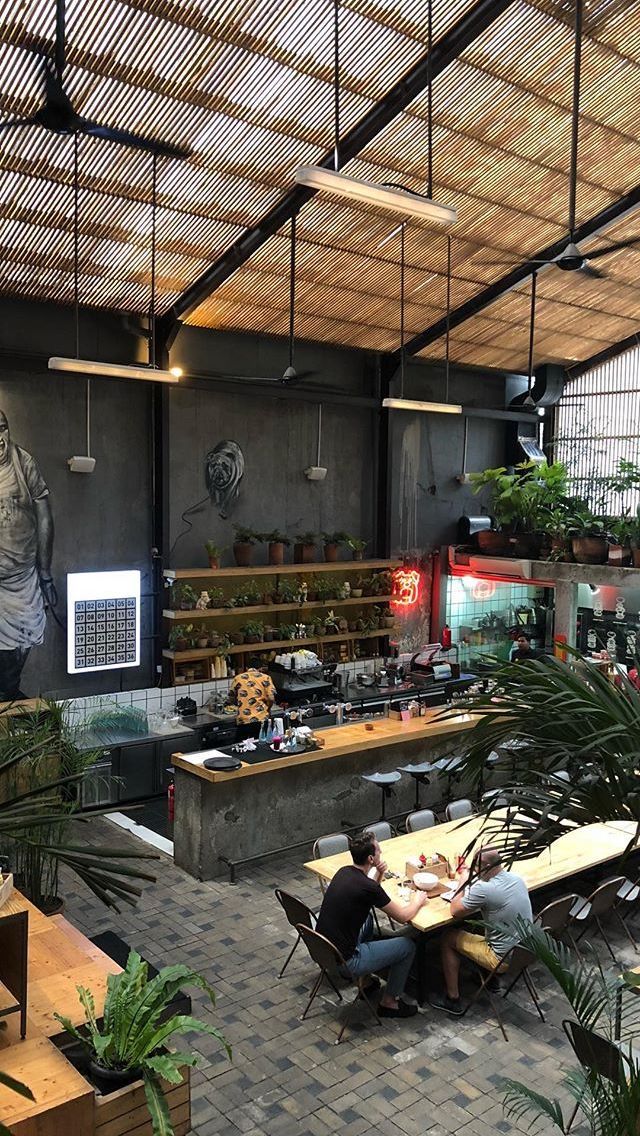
{"points": [[445, 637], [171, 799]]}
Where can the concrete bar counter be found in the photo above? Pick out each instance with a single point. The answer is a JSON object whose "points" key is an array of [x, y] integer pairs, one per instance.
{"points": [[292, 799]]}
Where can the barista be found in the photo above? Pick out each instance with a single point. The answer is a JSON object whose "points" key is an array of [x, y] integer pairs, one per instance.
{"points": [[524, 652], [254, 694]]}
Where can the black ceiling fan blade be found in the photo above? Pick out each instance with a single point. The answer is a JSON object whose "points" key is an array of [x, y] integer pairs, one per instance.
{"points": [[508, 263], [612, 248], [17, 122], [60, 52], [127, 138], [594, 273]]}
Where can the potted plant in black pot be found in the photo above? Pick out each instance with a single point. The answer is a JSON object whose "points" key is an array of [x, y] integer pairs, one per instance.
{"points": [[304, 548], [244, 541], [129, 1043], [276, 543]]}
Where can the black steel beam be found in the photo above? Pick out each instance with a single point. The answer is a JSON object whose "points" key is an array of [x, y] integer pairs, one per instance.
{"points": [[603, 356], [461, 35], [478, 303]]}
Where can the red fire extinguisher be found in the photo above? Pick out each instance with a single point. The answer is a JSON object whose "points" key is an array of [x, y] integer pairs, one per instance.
{"points": [[171, 799], [445, 637]]}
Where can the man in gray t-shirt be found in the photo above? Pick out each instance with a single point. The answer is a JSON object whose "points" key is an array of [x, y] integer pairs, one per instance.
{"points": [[502, 900]]}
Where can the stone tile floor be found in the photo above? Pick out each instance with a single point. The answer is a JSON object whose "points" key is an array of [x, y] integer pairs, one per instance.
{"points": [[431, 1074]]}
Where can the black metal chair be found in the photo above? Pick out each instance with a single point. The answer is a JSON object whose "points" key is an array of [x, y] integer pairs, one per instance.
{"points": [[297, 913], [518, 961], [598, 905], [332, 966], [554, 918], [595, 1053], [627, 899], [424, 818]]}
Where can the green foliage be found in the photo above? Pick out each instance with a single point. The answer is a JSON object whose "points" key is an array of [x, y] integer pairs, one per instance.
{"points": [[325, 587], [355, 544], [244, 535], [523, 500], [335, 537], [41, 771], [131, 1036], [306, 538], [214, 550], [252, 628], [116, 718], [16, 1087], [275, 537]]}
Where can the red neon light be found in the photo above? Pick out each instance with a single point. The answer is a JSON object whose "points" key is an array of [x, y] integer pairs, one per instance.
{"points": [[483, 589], [406, 587]]}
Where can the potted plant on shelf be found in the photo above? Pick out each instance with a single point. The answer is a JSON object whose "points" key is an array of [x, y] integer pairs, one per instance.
{"points": [[325, 589], [304, 548], [184, 597], [588, 536], [287, 631], [356, 546], [237, 637], [202, 636], [177, 639], [253, 631], [129, 1043], [520, 502], [216, 597], [214, 552], [332, 542], [288, 591], [276, 542], [244, 541]]}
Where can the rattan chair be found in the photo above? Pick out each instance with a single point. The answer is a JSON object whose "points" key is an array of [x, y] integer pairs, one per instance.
{"points": [[297, 913], [332, 966], [424, 818]]}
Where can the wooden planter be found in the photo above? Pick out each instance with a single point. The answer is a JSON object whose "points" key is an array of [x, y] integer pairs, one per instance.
{"points": [[125, 1111]]}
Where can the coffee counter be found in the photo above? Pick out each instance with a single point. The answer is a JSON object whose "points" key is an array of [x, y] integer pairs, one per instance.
{"points": [[261, 808]]}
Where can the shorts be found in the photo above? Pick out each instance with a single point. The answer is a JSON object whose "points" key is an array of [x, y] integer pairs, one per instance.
{"points": [[476, 948]]}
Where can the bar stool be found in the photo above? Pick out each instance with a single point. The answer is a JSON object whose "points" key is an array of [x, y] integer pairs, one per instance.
{"points": [[384, 782], [420, 773]]}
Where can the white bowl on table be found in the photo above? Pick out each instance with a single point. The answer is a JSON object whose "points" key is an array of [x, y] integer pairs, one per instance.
{"points": [[426, 881]]}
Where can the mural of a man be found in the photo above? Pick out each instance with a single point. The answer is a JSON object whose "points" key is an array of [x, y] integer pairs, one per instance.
{"points": [[26, 548]]}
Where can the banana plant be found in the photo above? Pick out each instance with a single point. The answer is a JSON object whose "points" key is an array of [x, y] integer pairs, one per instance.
{"points": [[602, 1002], [41, 771], [135, 1031], [560, 715]]}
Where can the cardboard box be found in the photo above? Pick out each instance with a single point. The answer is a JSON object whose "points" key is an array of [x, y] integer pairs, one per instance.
{"points": [[439, 869]]}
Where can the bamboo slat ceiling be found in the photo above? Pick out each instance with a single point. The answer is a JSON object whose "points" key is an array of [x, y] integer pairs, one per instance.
{"points": [[246, 84]]}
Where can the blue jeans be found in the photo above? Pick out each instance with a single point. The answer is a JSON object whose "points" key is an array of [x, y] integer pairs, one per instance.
{"points": [[371, 954]]}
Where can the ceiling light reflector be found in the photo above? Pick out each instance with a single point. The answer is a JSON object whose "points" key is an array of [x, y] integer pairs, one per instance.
{"points": [[372, 193], [113, 370], [428, 407]]}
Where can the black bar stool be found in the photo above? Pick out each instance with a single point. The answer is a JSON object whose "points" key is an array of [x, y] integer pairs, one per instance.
{"points": [[420, 773], [384, 781]]}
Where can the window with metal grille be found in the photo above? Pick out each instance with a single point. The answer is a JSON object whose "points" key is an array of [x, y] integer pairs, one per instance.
{"points": [[597, 423]]}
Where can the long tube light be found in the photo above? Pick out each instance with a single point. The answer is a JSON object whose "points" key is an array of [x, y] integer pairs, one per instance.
{"points": [[373, 193], [114, 370], [429, 407]]}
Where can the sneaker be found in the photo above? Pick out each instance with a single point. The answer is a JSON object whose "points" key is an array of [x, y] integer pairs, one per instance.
{"points": [[402, 1010], [493, 984], [444, 1002]]}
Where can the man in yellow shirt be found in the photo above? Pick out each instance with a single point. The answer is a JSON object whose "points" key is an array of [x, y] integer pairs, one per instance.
{"points": [[254, 694]]}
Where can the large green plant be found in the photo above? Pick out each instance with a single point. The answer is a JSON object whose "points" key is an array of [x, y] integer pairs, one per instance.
{"points": [[598, 1002], [132, 1037], [524, 499], [570, 717], [37, 820]]}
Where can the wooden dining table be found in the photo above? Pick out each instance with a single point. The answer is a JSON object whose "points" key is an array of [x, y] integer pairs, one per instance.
{"points": [[576, 851]]}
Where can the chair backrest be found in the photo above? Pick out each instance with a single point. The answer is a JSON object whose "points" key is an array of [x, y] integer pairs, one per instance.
{"points": [[456, 810], [493, 799], [381, 829], [559, 775], [595, 1052], [322, 950], [555, 916], [604, 897], [295, 910], [518, 959], [424, 818], [330, 845]]}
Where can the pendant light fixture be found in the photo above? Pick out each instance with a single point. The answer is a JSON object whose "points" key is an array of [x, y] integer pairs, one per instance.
{"points": [[387, 197], [290, 373], [149, 373]]}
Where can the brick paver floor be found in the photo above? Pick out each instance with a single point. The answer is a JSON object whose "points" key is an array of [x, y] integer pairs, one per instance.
{"points": [[430, 1074]]}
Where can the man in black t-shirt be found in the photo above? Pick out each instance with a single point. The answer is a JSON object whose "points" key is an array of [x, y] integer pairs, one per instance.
{"points": [[345, 919]]}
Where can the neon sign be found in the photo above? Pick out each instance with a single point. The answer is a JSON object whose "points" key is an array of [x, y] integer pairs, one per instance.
{"points": [[483, 589], [406, 587]]}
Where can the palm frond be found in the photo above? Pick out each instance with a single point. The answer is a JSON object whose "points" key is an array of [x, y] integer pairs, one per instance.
{"points": [[522, 1103]]}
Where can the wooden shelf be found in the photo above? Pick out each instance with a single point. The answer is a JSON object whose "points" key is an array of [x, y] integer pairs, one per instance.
{"points": [[251, 648], [216, 612], [277, 570]]}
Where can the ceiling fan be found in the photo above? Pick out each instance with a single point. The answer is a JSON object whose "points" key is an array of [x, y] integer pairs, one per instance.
{"points": [[58, 115], [571, 259]]}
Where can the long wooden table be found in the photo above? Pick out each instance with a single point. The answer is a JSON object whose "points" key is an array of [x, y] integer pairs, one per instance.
{"points": [[60, 958], [576, 851]]}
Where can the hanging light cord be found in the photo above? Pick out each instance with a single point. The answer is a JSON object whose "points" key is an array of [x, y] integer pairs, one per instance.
{"points": [[76, 275], [532, 323], [292, 289], [402, 353], [152, 305], [429, 100], [336, 84], [575, 120], [446, 341]]}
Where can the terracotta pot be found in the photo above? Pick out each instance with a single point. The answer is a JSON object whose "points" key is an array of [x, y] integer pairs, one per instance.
{"points": [[635, 557], [331, 553], [214, 561], [243, 552], [525, 545], [619, 555], [492, 543], [304, 553], [253, 639], [276, 552], [237, 637], [180, 645], [589, 549], [358, 554]]}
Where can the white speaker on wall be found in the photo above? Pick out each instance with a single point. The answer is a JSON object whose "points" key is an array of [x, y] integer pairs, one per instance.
{"points": [[78, 464]]}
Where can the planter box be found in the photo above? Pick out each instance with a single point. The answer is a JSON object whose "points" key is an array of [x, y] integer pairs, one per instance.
{"points": [[125, 1111]]}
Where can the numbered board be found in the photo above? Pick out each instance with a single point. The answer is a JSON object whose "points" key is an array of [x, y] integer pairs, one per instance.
{"points": [[103, 621]]}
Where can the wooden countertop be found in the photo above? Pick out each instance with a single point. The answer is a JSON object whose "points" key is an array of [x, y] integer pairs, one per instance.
{"points": [[339, 740], [577, 850]]}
